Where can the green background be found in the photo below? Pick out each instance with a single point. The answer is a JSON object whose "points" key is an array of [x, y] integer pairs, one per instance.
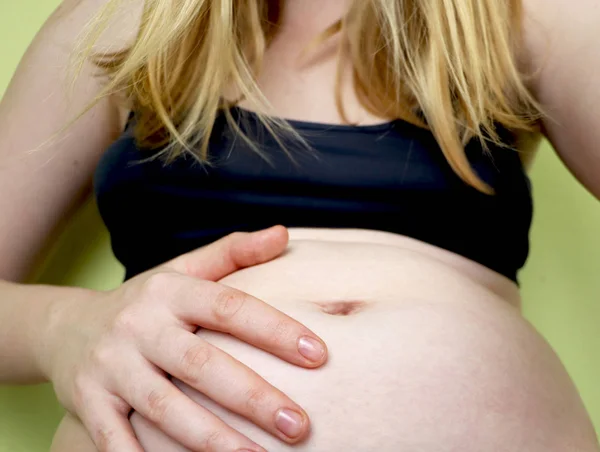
{"points": [[561, 283]]}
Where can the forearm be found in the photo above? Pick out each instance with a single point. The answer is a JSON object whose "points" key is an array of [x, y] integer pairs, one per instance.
{"points": [[26, 312]]}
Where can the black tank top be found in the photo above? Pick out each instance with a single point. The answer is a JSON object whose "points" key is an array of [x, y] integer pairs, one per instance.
{"points": [[389, 177]]}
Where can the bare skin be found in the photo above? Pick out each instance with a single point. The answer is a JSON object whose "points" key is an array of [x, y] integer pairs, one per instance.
{"points": [[450, 366], [42, 326], [564, 86]]}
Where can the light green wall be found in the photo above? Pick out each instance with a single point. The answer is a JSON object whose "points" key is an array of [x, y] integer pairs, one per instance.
{"points": [[561, 283]]}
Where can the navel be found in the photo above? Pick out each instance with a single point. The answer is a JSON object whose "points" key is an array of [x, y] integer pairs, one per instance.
{"points": [[341, 308]]}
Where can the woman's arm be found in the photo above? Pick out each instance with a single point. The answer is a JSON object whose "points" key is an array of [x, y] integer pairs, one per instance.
{"points": [[108, 353], [39, 189], [562, 39], [24, 313]]}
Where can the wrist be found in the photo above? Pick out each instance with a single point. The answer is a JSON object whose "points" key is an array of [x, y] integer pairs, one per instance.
{"points": [[57, 317]]}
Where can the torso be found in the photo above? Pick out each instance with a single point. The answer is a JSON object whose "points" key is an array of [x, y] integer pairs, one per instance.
{"points": [[435, 355], [397, 178], [427, 352]]}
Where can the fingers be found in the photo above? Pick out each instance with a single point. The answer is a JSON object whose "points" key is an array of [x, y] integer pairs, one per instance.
{"points": [[159, 401], [110, 429], [231, 253], [228, 382], [221, 308]]}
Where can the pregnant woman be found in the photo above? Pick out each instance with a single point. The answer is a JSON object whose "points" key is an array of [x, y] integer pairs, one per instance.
{"points": [[322, 208]]}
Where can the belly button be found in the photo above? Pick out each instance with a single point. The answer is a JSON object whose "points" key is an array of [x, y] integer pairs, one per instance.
{"points": [[341, 308]]}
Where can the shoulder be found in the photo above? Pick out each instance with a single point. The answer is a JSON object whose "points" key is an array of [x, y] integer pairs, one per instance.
{"points": [[119, 20], [553, 27], [561, 47], [562, 57]]}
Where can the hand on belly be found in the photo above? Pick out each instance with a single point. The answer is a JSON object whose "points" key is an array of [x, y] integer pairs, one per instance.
{"points": [[462, 371], [421, 359]]}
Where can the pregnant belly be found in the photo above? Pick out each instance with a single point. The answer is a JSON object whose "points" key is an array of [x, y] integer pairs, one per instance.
{"points": [[427, 352]]}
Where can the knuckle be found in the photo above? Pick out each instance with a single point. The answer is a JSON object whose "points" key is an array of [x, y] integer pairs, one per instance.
{"points": [[234, 236], [156, 285], [102, 356], [105, 439], [213, 441], [227, 304], [158, 407], [126, 321], [256, 400], [194, 362]]}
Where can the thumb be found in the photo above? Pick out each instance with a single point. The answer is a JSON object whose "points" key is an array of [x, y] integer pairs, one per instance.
{"points": [[231, 253]]}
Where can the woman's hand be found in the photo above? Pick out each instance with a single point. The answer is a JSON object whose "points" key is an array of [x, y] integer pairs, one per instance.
{"points": [[110, 354]]}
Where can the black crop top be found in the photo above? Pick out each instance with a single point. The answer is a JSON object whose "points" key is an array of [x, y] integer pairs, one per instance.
{"points": [[390, 177]]}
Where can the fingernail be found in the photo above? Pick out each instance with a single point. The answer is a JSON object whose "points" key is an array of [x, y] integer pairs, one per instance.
{"points": [[311, 349], [289, 422]]}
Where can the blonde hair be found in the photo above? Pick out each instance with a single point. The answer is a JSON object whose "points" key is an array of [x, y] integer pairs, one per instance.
{"points": [[446, 65]]}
